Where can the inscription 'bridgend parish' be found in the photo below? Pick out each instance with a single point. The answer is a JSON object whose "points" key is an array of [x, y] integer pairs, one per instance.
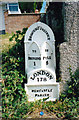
{"points": [[40, 63]]}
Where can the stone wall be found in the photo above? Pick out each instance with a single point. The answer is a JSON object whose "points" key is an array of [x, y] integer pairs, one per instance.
{"points": [[54, 19], [78, 33], [69, 50], [61, 17], [14, 22]]}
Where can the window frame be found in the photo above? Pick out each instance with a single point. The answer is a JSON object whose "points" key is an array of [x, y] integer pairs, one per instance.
{"points": [[13, 5], [13, 12]]}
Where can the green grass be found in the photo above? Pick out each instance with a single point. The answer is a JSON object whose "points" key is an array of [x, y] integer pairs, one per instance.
{"points": [[5, 43], [4, 36]]}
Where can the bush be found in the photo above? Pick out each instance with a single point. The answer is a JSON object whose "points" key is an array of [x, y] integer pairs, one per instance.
{"points": [[14, 99], [13, 95], [70, 98], [73, 85]]}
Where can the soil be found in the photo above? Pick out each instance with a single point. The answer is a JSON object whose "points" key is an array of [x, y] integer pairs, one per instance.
{"points": [[36, 114]]}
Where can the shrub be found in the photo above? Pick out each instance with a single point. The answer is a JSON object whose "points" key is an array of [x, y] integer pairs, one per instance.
{"points": [[73, 85], [14, 99], [70, 98]]}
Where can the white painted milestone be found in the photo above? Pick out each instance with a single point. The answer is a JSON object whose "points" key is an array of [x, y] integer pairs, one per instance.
{"points": [[40, 63]]}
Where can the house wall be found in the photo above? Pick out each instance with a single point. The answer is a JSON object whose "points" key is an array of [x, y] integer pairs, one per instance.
{"points": [[2, 23], [14, 22]]}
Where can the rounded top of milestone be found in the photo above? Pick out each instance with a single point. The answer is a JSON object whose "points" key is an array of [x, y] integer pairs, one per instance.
{"points": [[39, 32]]}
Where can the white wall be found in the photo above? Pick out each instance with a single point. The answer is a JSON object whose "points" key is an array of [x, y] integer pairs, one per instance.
{"points": [[2, 22]]}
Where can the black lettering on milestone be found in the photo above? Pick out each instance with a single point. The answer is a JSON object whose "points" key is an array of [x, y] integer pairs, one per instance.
{"points": [[34, 64], [51, 77], [39, 73], [41, 79], [34, 51], [37, 90], [36, 95], [34, 58], [38, 79], [32, 78], [30, 38], [45, 90], [43, 58], [39, 28], [48, 38], [43, 72], [47, 94], [35, 74], [41, 90], [47, 63], [46, 50], [33, 90], [44, 79], [40, 95], [31, 33], [47, 74]]}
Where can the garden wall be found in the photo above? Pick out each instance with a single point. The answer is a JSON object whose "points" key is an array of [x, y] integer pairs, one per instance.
{"points": [[69, 50], [63, 18], [14, 22]]}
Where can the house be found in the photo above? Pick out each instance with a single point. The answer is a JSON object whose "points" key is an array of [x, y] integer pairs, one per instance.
{"points": [[2, 23], [12, 19], [13, 8]]}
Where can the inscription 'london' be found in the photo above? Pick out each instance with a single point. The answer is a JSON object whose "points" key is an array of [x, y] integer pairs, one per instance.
{"points": [[41, 72], [39, 28]]}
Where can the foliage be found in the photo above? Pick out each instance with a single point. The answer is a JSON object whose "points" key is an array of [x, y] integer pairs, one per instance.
{"points": [[35, 5], [73, 84], [14, 99], [26, 6], [13, 96], [30, 7], [70, 97]]}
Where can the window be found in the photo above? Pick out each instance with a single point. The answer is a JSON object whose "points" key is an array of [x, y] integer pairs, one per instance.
{"points": [[13, 6]]}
